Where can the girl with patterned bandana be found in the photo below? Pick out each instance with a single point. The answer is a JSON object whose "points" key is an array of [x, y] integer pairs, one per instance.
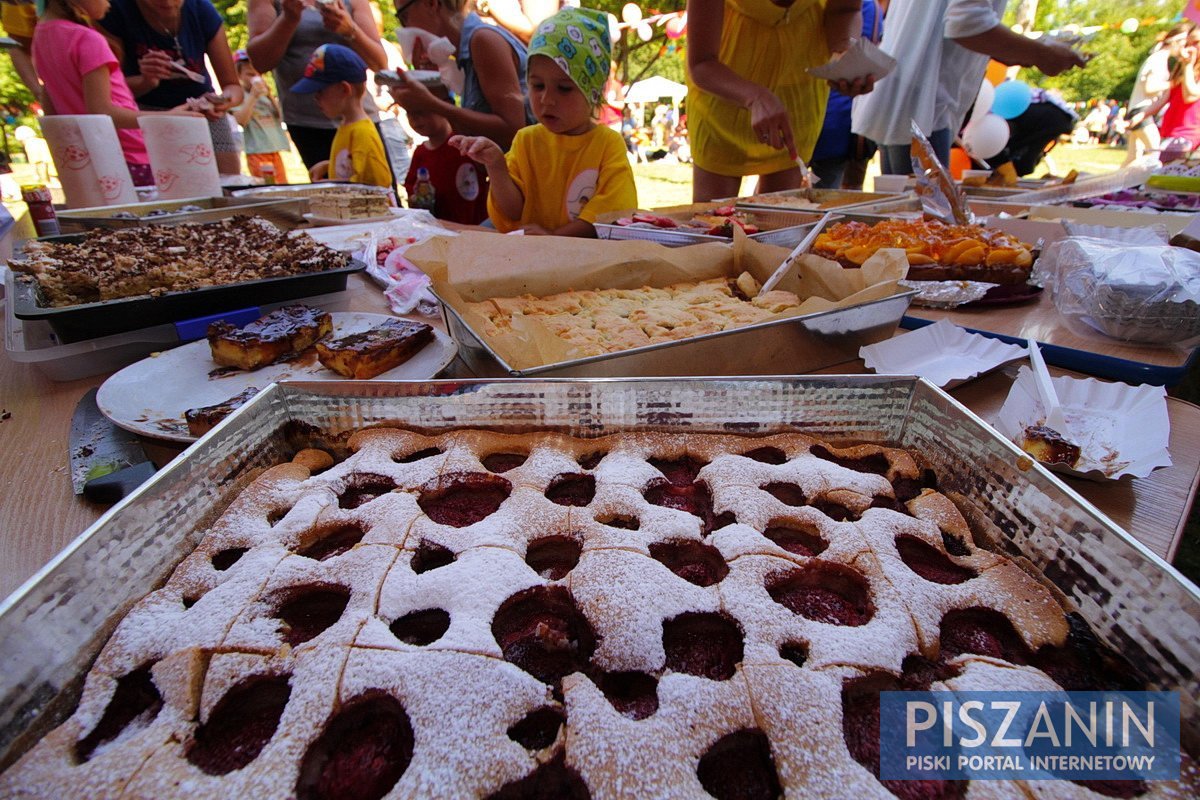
{"points": [[567, 170]]}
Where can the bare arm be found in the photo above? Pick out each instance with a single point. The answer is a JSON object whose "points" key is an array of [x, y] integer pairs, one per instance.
{"points": [[1191, 86], [1011, 48], [269, 32], [842, 22], [358, 29], [504, 191], [97, 95], [222, 61], [245, 112], [493, 61], [521, 17], [767, 113], [581, 229]]}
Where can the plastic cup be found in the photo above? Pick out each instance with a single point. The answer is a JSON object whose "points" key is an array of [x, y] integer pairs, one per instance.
{"points": [[891, 184], [975, 177]]}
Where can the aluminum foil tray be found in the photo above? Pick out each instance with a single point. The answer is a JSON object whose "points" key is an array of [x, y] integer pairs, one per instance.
{"points": [[910, 207], [284, 212], [828, 199], [794, 345], [782, 227], [52, 627]]}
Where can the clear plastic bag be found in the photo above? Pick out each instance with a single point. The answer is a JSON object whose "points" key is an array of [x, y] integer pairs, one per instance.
{"points": [[1140, 293]]}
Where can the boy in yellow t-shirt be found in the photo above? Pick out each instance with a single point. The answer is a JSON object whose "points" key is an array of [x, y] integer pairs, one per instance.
{"points": [[562, 173], [337, 76]]}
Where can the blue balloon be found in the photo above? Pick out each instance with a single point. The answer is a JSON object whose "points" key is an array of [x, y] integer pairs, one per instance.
{"points": [[1012, 98]]}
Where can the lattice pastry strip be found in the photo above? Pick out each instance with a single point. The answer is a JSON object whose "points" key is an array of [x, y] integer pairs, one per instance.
{"points": [[520, 515], [95, 753], [406, 459], [799, 710], [462, 711], [258, 716], [308, 603], [657, 755], [448, 608], [628, 597], [920, 567], [174, 619], [838, 613], [797, 533]]}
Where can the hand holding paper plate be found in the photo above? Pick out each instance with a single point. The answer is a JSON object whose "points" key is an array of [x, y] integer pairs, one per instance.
{"points": [[863, 58]]}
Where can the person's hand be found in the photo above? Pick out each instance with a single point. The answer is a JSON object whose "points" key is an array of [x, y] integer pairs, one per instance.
{"points": [[258, 87], [319, 171], [292, 9], [769, 121], [1055, 57], [219, 103], [481, 149], [204, 107], [535, 230], [413, 95], [420, 56], [336, 19], [855, 87], [181, 111], [156, 66]]}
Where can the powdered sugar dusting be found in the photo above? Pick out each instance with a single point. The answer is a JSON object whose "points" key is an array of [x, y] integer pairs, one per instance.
{"points": [[219, 620]]}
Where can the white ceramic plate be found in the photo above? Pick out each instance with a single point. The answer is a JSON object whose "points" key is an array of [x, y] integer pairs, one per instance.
{"points": [[151, 396], [943, 353]]}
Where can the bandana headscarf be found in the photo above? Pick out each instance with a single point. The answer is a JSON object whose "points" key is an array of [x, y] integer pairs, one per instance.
{"points": [[577, 40]]}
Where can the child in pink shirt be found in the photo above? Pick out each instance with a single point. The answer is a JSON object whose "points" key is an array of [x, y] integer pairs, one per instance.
{"points": [[83, 76]]}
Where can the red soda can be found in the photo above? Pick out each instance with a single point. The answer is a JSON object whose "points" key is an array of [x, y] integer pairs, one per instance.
{"points": [[41, 209]]}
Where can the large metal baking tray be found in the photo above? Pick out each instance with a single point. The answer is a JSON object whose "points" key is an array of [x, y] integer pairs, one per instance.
{"points": [[305, 189], [827, 199], [782, 227], [285, 212], [910, 207], [93, 320], [54, 625], [793, 345]]}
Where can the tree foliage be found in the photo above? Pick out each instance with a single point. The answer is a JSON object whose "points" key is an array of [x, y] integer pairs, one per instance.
{"points": [[1116, 56]]}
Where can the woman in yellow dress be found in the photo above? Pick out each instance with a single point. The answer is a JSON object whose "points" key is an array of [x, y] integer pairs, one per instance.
{"points": [[752, 108]]}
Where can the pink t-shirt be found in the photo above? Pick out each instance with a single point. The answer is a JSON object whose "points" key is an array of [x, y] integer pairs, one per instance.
{"points": [[1181, 117], [63, 52]]}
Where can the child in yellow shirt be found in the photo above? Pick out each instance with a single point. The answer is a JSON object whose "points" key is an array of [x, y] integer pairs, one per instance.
{"points": [[337, 76], [564, 172]]}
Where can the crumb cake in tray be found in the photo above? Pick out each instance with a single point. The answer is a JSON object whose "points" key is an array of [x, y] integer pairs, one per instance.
{"points": [[111, 281], [684, 588]]}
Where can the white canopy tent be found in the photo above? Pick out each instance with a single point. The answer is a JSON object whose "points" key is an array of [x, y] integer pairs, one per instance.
{"points": [[655, 88]]}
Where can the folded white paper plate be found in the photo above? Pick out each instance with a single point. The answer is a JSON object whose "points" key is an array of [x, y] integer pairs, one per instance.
{"points": [[942, 353], [862, 58], [1120, 429]]}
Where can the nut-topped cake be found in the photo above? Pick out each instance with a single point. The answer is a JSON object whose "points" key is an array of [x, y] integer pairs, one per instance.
{"points": [[475, 614], [155, 259]]}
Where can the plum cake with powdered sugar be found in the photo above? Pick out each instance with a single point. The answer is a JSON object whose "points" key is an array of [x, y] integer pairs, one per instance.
{"points": [[641, 615]]}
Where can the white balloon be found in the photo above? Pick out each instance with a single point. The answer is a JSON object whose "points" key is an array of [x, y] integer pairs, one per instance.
{"points": [[614, 28], [986, 137], [983, 102], [631, 13], [645, 32]]}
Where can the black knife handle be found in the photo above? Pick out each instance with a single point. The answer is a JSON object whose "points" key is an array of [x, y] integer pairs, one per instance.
{"points": [[112, 487]]}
